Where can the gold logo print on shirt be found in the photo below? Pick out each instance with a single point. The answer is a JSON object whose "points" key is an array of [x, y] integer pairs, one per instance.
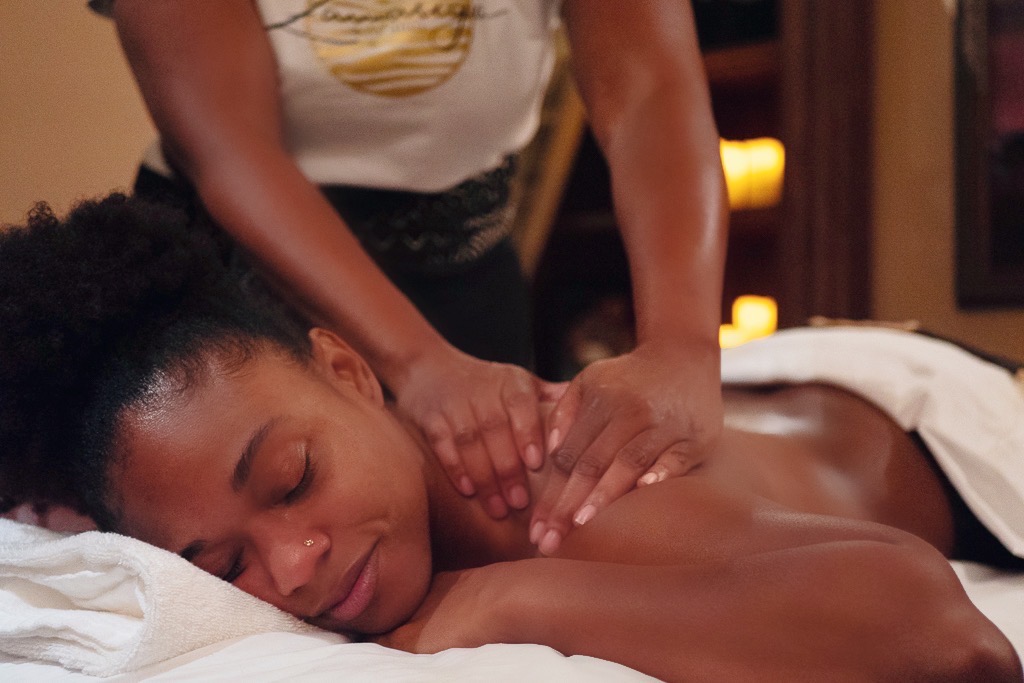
{"points": [[391, 48]]}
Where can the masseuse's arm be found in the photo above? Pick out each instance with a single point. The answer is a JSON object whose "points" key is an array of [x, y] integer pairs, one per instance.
{"points": [[726, 594], [209, 78], [640, 72]]}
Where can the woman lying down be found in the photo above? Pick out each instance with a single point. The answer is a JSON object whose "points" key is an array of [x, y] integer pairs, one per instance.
{"points": [[141, 381]]}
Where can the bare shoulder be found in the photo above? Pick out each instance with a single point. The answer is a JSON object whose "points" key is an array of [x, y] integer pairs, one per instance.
{"points": [[873, 600], [694, 519]]}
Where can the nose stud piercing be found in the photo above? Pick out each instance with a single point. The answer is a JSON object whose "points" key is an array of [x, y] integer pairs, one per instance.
{"points": [[308, 542]]}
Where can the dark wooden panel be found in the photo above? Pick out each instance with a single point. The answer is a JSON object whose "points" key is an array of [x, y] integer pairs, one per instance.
{"points": [[826, 124], [989, 155]]}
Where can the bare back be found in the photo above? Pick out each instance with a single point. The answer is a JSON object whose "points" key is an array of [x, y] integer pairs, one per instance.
{"points": [[820, 449], [808, 451]]}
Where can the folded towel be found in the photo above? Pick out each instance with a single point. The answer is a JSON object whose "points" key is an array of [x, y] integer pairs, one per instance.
{"points": [[104, 604], [969, 412]]}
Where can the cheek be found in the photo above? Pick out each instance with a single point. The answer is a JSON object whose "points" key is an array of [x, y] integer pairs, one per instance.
{"points": [[379, 467], [392, 500], [406, 565], [406, 574]]}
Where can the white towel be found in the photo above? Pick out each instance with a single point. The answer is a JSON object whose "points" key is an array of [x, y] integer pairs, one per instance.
{"points": [[105, 604], [969, 412]]}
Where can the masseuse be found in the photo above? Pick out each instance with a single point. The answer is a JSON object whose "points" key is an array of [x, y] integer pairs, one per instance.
{"points": [[408, 116]]}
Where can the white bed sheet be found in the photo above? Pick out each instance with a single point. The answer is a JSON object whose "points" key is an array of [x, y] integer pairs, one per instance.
{"points": [[279, 657], [999, 595]]}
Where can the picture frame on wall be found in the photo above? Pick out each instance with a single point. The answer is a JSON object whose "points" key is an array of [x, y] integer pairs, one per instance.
{"points": [[989, 130]]}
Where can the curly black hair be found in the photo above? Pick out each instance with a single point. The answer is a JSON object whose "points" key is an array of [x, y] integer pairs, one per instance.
{"points": [[92, 308]]}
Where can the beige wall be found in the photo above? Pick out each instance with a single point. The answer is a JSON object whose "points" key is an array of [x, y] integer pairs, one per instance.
{"points": [[913, 190], [72, 126], [71, 122]]}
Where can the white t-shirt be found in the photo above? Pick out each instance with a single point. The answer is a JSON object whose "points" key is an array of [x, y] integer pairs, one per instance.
{"points": [[408, 94]]}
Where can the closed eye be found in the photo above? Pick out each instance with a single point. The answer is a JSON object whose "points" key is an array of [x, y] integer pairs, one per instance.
{"points": [[308, 472], [237, 567], [235, 570]]}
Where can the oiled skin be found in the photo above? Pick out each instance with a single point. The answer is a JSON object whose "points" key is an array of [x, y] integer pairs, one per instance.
{"points": [[809, 547], [776, 560]]}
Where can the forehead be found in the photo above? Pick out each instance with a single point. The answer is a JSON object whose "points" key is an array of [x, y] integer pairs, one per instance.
{"points": [[178, 447]]}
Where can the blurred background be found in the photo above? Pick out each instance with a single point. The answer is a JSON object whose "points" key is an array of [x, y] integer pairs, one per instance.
{"points": [[860, 94]]}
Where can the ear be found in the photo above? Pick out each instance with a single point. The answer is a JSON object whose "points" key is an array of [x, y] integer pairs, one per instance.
{"points": [[340, 363]]}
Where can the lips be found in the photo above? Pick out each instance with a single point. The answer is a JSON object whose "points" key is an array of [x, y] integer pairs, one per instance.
{"points": [[355, 591]]}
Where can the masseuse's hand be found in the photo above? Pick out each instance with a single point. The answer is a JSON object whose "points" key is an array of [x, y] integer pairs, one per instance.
{"points": [[633, 420], [482, 421]]}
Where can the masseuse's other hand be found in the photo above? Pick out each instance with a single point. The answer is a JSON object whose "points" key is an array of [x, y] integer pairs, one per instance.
{"points": [[482, 421], [633, 420]]}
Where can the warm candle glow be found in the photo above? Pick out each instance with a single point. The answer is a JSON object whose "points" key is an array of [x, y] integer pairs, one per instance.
{"points": [[730, 336], [757, 315], [736, 165], [753, 172], [752, 317]]}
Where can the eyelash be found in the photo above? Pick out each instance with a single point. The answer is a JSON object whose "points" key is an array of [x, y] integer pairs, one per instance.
{"points": [[308, 470], [236, 569]]}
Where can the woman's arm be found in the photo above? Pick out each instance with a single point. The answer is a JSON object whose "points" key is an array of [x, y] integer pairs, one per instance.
{"points": [[209, 78], [759, 594], [641, 75], [857, 611]]}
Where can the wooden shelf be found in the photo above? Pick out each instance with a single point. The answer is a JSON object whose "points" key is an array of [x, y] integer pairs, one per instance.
{"points": [[751, 63], [755, 223]]}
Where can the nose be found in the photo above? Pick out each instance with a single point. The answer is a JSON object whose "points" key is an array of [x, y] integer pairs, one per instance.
{"points": [[289, 553]]}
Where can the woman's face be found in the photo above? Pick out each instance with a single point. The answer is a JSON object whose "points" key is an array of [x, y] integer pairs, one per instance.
{"points": [[294, 483]]}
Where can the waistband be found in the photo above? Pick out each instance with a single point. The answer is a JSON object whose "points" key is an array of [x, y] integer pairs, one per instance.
{"points": [[437, 233], [430, 232]]}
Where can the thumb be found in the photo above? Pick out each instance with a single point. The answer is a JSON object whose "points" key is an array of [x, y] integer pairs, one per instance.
{"points": [[561, 418]]}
